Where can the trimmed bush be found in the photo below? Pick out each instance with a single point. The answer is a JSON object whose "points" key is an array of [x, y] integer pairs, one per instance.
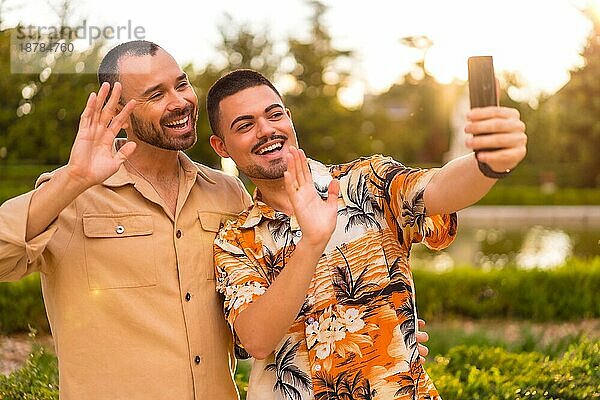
{"points": [[533, 195], [567, 293], [466, 372], [22, 306], [472, 372], [36, 380]]}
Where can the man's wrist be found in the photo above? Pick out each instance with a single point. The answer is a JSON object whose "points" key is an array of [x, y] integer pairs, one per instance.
{"points": [[72, 181], [490, 173]]}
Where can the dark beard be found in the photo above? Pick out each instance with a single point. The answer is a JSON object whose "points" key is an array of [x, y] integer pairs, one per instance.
{"points": [[155, 136], [275, 171]]}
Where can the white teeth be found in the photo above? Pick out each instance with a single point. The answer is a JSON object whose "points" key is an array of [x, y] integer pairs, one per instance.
{"points": [[178, 122], [270, 148]]}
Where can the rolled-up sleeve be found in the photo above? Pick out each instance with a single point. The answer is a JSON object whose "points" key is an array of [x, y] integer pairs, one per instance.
{"points": [[240, 276], [17, 256], [401, 190]]}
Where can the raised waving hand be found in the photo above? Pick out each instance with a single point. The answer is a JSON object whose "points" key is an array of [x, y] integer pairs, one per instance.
{"points": [[92, 158], [317, 217]]}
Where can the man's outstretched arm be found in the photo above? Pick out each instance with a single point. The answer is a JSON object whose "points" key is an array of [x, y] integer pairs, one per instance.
{"points": [[460, 183]]}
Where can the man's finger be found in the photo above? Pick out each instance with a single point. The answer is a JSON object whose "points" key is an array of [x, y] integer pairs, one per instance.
{"points": [[333, 191], [125, 151], [500, 160], [109, 110], [86, 115], [495, 125], [102, 93], [496, 140], [479, 113], [305, 169], [423, 350], [119, 120], [298, 167]]}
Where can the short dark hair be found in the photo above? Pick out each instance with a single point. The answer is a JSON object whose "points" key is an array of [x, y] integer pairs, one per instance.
{"points": [[108, 71], [228, 85]]}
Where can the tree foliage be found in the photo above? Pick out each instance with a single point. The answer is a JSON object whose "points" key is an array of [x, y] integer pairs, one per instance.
{"points": [[39, 113]]}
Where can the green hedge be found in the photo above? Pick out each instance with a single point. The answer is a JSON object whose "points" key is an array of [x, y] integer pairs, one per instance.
{"points": [[466, 372], [471, 372], [36, 380], [567, 293], [19, 178], [534, 195], [22, 307]]}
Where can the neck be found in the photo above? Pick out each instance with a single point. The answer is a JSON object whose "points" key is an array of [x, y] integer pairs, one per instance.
{"points": [[154, 163], [274, 194]]}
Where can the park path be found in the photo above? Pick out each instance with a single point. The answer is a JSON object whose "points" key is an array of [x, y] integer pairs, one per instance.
{"points": [[519, 216]]}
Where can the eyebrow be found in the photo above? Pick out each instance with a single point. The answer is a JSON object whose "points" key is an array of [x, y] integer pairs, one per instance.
{"points": [[244, 117], [147, 92]]}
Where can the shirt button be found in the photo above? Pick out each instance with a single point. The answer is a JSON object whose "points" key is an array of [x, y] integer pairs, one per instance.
{"points": [[317, 367], [178, 233], [298, 233], [197, 359], [310, 320], [188, 296], [120, 229]]}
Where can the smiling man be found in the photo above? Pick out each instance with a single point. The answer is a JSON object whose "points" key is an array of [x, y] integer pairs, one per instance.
{"points": [[122, 237], [316, 273]]}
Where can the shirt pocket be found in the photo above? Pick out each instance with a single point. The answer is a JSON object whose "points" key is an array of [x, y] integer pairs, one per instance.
{"points": [[211, 222], [119, 250]]}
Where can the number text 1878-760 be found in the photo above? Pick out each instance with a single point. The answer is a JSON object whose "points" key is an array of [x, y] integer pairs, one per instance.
{"points": [[46, 47]]}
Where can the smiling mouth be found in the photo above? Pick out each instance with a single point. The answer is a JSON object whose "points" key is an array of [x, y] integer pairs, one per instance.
{"points": [[270, 149], [178, 124]]}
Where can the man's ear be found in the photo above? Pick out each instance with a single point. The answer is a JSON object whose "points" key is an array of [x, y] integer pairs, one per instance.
{"points": [[288, 112], [218, 146]]}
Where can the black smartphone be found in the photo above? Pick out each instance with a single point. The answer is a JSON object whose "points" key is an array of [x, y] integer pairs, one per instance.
{"points": [[482, 82], [482, 93]]}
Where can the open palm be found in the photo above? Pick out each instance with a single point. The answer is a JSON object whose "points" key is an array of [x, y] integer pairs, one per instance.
{"points": [[317, 217], [92, 157]]}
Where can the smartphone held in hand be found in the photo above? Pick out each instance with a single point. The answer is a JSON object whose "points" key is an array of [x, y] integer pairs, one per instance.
{"points": [[482, 93], [482, 82]]}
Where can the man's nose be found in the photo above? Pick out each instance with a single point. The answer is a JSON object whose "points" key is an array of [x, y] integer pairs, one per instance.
{"points": [[177, 100], [265, 128]]}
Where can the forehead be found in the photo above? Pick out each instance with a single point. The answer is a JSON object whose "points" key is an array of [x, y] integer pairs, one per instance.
{"points": [[136, 73], [250, 101]]}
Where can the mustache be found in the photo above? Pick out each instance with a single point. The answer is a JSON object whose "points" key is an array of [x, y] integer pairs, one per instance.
{"points": [[265, 140], [177, 113]]}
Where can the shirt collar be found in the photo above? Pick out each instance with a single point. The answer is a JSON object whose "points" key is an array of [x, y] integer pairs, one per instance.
{"points": [[259, 210], [122, 177]]}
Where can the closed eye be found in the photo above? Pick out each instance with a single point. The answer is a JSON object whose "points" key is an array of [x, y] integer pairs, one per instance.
{"points": [[244, 127], [155, 96]]}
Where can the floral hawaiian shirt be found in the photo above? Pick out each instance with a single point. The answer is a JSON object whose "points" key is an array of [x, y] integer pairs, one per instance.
{"points": [[355, 336]]}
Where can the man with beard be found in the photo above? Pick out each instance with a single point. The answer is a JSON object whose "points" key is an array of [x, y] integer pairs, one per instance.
{"points": [[123, 242], [316, 273]]}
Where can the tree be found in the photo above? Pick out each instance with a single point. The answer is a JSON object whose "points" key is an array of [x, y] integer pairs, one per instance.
{"points": [[412, 119], [239, 47], [568, 128], [326, 129]]}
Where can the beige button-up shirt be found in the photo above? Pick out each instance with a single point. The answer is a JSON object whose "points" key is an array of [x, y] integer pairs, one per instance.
{"points": [[130, 292]]}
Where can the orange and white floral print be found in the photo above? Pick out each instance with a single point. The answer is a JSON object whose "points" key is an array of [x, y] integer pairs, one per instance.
{"points": [[355, 336]]}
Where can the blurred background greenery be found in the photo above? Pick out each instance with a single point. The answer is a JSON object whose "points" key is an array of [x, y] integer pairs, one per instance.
{"points": [[521, 297]]}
